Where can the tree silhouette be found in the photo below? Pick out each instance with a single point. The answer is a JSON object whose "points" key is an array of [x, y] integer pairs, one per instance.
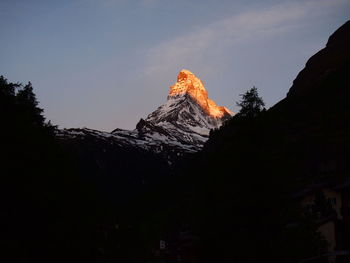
{"points": [[46, 211], [29, 104], [251, 104]]}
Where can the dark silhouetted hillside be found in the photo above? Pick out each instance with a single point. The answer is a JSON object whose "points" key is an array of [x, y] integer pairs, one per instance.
{"points": [[239, 188]]}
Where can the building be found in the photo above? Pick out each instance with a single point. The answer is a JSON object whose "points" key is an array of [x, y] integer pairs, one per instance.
{"points": [[331, 202]]}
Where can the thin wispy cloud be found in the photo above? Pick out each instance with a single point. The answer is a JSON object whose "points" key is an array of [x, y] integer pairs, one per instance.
{"points": [[199, 45]]}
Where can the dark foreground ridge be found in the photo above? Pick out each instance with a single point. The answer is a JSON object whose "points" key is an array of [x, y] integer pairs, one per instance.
{"points": [[266, 167]]}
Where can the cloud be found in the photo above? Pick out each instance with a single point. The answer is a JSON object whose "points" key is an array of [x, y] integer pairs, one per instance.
{"points": [[201, 45]]}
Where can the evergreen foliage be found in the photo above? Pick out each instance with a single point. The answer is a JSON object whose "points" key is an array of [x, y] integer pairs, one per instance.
{"points": [[48, 213], [251, 104]]}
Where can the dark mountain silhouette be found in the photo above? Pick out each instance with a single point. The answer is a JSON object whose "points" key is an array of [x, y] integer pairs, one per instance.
{"points": [[309, 129], [121, 171], [250, 166], [237, 194]]}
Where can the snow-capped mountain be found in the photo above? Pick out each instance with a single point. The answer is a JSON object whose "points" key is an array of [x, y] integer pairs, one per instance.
{"points": [[187, 116], [182, 124]]}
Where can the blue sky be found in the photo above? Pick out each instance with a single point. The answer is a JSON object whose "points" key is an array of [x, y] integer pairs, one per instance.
{"points": [[105, 64]]}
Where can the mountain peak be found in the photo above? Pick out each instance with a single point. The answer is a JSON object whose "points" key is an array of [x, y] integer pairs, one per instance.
{"points": [[189, 84], [184, 74]]}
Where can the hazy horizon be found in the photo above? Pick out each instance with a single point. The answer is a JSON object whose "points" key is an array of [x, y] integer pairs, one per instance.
{"points": [[106, 64]]}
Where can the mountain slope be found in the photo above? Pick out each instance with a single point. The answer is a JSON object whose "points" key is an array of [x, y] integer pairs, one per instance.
{"points": [[308, 131], [240, 199], [126, 163], [188, 115], [181, 125]]}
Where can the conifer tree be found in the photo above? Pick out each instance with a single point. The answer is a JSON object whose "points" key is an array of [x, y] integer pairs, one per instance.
{"points": [[29, 104], [251, 104]]}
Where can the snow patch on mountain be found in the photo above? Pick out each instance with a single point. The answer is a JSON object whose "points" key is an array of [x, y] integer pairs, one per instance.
{"points": [[181, 125]]}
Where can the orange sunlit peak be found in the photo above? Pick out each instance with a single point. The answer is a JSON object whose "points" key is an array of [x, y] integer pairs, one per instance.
{"points": [[189, 83]]}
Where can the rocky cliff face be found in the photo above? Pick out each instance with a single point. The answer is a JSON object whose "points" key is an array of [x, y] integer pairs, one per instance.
{"points": [[188, 83], [188, 115]]}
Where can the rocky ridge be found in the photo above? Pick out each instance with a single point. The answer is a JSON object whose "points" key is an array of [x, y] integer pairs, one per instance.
{"points": [[181, 125]]}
